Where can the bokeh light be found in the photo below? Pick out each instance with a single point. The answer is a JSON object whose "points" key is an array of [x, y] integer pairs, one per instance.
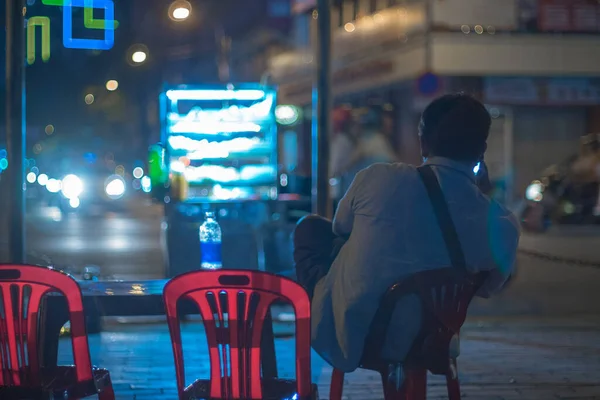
{"points": [[112, 85], [31, 177], [49, 129], [139, 57], [43, 179], [89, 99], [115, 187], [138, 172], [146, 184], [53, 185], [180, 10], [3, 164], [72, 186]]}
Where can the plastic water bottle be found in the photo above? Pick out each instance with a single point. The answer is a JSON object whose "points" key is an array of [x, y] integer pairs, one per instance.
{"points": [[210, 242]]}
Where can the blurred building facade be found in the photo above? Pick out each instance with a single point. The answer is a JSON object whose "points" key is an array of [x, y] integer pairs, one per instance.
{"points": [[533, 62]]}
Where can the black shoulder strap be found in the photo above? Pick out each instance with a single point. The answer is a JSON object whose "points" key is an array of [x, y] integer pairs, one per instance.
{"points": [[440, 208]]}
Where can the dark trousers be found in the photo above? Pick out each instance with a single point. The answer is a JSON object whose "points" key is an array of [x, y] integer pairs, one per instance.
{"points": [[315, 248]]}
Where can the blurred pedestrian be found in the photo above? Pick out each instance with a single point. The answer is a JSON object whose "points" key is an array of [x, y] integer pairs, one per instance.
{"points": [[341, 151], [373, 144], [343, 142]]}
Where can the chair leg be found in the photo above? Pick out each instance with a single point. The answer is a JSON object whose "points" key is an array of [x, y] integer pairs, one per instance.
{"points": [[452, 382], [416, 383], [389, 389], [107, 392], [337, 385]]}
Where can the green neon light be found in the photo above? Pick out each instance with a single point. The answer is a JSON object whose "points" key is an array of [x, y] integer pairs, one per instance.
{"points": [[88, 14], [88, 18], [44, 24]]}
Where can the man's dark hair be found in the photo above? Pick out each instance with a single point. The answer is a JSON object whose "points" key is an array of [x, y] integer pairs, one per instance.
{"points": [[456, 126]]}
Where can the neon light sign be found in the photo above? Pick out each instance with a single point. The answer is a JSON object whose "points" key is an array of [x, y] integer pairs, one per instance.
{"points": [[233, 119], [203, 149], [44, 24], [88, 14], [109, 24], [91, 44], [222, 174], [206, 94]]}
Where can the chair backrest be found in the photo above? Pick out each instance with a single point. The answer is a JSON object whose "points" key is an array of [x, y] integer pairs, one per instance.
{"points": [[445, 295], [21, 290], [233, 305]]}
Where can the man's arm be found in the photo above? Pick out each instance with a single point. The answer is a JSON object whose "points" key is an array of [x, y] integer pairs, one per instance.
{"points": [[344, 215], [504, 241]]}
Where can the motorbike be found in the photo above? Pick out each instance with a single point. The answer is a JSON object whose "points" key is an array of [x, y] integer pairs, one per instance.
{"points": [[556, 199]]}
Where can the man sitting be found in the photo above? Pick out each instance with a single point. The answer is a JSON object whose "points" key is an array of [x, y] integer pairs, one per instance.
{"points": [[385, 229]]}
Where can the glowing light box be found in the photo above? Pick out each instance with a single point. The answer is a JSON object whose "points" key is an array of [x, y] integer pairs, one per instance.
{"points": [[222, 139]]}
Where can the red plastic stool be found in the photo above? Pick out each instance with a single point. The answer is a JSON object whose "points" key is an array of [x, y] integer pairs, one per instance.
{"points": [[233, 305], [22, 288]]}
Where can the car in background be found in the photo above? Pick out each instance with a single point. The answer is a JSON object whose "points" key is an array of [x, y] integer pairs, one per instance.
{"points": [[91, 192]]}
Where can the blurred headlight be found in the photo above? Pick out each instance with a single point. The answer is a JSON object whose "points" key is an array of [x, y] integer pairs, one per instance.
{"points": [[53, 185], [72, 186], [535, 191], [115, 187]]}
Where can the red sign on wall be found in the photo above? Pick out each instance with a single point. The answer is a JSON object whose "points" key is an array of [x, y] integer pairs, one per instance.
{"points": [[569, 15]]}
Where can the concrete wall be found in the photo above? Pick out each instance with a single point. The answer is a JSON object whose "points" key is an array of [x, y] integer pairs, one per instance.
{"points": [[515, 54]]}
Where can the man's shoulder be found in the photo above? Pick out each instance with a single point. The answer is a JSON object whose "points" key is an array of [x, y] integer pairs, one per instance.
{"points": [[389, 170]]}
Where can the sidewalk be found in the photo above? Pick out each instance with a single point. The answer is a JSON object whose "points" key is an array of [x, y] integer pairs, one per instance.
{"points": [[570, 242], [501, 359]]}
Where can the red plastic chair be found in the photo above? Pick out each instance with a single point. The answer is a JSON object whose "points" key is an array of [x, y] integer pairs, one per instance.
{"points": [[22, 288], [445, 295], [233, 305]]}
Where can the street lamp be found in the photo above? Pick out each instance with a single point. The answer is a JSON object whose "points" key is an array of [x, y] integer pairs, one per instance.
{"points": [[180, 10]]}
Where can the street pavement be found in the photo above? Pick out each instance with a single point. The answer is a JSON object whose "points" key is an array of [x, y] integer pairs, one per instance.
{"points": [[568, 242], [518, 358], [125, 246]]}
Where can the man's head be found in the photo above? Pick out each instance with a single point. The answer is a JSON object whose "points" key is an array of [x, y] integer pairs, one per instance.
{"points": [[455, 126]]}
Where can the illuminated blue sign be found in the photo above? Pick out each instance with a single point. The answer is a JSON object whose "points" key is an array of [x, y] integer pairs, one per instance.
{"points": [[93, 44], [223, 141]]}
